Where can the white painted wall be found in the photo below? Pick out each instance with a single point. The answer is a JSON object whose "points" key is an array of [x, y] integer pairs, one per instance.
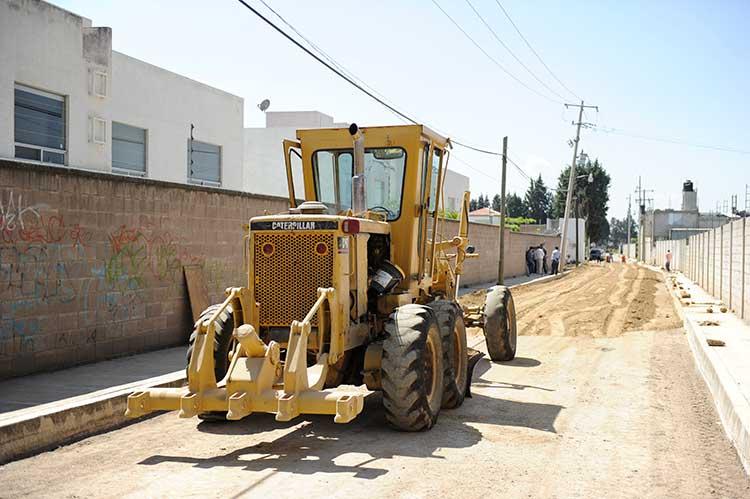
{"points": [[51, 49], [453, 190], [264, 170]]}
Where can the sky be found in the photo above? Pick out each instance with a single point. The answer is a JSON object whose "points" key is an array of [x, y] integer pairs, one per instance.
{"points": [[675, 70]]}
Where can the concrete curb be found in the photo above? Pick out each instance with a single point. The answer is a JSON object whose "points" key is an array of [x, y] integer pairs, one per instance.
{"points": [[29, 431], [732, 406]]}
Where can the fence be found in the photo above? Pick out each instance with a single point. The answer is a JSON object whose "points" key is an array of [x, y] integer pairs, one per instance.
{"points": [[718, 260]]}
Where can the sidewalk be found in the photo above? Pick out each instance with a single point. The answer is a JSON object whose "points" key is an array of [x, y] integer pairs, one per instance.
{"points": [[725, 368], [37, 389], [43, 411]]}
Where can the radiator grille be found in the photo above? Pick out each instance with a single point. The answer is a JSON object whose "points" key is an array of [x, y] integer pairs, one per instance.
{"points": [[287, 281]]}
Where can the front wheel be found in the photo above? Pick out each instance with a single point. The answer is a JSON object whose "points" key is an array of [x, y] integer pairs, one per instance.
{"points": [[412, 369], [500, 332], [223, 342]]}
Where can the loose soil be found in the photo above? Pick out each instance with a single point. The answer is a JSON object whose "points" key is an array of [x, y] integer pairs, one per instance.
{"points": [[597, 300]]}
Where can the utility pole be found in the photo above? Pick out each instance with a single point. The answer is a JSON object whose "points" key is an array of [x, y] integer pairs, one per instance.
{"points": [[571, 184], [500, 269], [629, 217]]}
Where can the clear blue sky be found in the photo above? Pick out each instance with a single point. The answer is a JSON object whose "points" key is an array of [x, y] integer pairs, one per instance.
{"points": [[671, 69]]}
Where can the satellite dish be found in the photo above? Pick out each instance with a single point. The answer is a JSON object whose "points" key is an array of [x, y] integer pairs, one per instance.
{"points": [[264, 105]]}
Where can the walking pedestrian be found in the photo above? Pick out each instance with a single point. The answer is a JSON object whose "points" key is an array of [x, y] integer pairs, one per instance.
{"points": [[539, 256], [555, 260], [668, 261]]}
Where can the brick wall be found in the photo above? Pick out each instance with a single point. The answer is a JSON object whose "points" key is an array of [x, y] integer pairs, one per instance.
{"points": [[91, 264], [485, 238]]}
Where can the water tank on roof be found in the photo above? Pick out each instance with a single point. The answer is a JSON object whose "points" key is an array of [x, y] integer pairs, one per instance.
{"points": [[689, 197]]}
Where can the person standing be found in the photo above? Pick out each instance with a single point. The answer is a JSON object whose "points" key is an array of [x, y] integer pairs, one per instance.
{"points": [[539, 257], [668, 261], [530, 263], [555, 260], [545, 270]]}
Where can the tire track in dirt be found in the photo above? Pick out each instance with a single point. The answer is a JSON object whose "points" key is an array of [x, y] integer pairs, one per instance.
{"points": [[598, 300]]}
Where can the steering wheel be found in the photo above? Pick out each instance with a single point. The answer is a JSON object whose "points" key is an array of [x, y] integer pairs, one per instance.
{"points": [[388, 212]]}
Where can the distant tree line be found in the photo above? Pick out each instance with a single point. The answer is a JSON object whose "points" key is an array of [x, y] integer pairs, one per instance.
{"points": [[540, 203]]}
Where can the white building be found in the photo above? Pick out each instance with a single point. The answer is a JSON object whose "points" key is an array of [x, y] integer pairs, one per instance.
{"points": [[577, 241], [265, 172], [66, 98]]}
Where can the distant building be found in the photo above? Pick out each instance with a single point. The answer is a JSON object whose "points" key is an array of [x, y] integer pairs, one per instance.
{"points": [[264, 169], [680, 224], [485, 216], [68, 99]]}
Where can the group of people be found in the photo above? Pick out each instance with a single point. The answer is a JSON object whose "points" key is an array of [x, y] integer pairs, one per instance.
{"points": [[536, 260]]}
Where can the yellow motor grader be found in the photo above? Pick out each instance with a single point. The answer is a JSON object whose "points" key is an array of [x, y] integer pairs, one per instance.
{"points": [[349, 292]]}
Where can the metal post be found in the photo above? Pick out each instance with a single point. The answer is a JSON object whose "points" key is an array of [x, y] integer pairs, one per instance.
{"points": [[576, 221], [629, 217], [500, 270]]}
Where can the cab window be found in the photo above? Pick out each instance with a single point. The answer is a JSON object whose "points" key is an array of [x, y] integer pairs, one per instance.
{"points": [[384, 179]]}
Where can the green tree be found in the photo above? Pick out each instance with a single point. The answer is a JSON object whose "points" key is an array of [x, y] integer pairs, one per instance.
{"points": [[496, 202], [515, 205], [618, 231], [538, 200], [593, 198]]}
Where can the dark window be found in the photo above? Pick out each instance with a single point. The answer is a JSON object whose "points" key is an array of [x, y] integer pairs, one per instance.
{"points": [[128, 148], [39, 122], [204, 163]]}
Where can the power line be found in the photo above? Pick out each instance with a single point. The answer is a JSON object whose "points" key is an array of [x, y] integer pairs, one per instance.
{"points": [[330, 59], [326, 64], [616, 131], [534, 51], [339, 70], [502, 68], [495, 35]]}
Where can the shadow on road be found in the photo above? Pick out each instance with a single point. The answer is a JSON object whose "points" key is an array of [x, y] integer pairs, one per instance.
{"points": [[317, 445], [521, 362]]}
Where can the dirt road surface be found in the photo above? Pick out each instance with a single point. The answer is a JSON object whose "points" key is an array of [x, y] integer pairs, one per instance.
{"points": [[602, 400]]}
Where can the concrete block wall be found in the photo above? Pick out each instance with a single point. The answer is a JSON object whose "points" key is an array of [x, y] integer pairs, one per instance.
{"points": [[91, 264], [718, 260]]}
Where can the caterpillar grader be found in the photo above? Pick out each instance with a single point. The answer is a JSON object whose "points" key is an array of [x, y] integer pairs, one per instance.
{"points": [[350, 292]]}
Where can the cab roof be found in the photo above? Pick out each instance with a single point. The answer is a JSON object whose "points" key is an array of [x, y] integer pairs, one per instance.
{"points": [[420, 130]]}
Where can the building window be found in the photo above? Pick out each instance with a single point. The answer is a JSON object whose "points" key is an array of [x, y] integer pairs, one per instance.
{"points": [[39, 125], [128, 149], [204, 163]]}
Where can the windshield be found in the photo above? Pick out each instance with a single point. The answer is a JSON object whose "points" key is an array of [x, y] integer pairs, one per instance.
{"points": [[384, 179]]}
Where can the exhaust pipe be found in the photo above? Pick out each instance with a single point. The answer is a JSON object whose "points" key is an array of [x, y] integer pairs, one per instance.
{"points": [[359, 203]]}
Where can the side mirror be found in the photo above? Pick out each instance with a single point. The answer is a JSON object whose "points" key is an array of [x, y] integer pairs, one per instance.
{"points": [[470, 249]]}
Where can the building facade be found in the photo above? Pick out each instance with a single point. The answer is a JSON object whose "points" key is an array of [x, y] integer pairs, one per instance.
{"points": [[68, 99]]}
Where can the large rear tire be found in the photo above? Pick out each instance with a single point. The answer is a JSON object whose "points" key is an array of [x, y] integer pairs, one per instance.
{"points": [[412, 369], [222, 343], [500, 331], [455, 352]]}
